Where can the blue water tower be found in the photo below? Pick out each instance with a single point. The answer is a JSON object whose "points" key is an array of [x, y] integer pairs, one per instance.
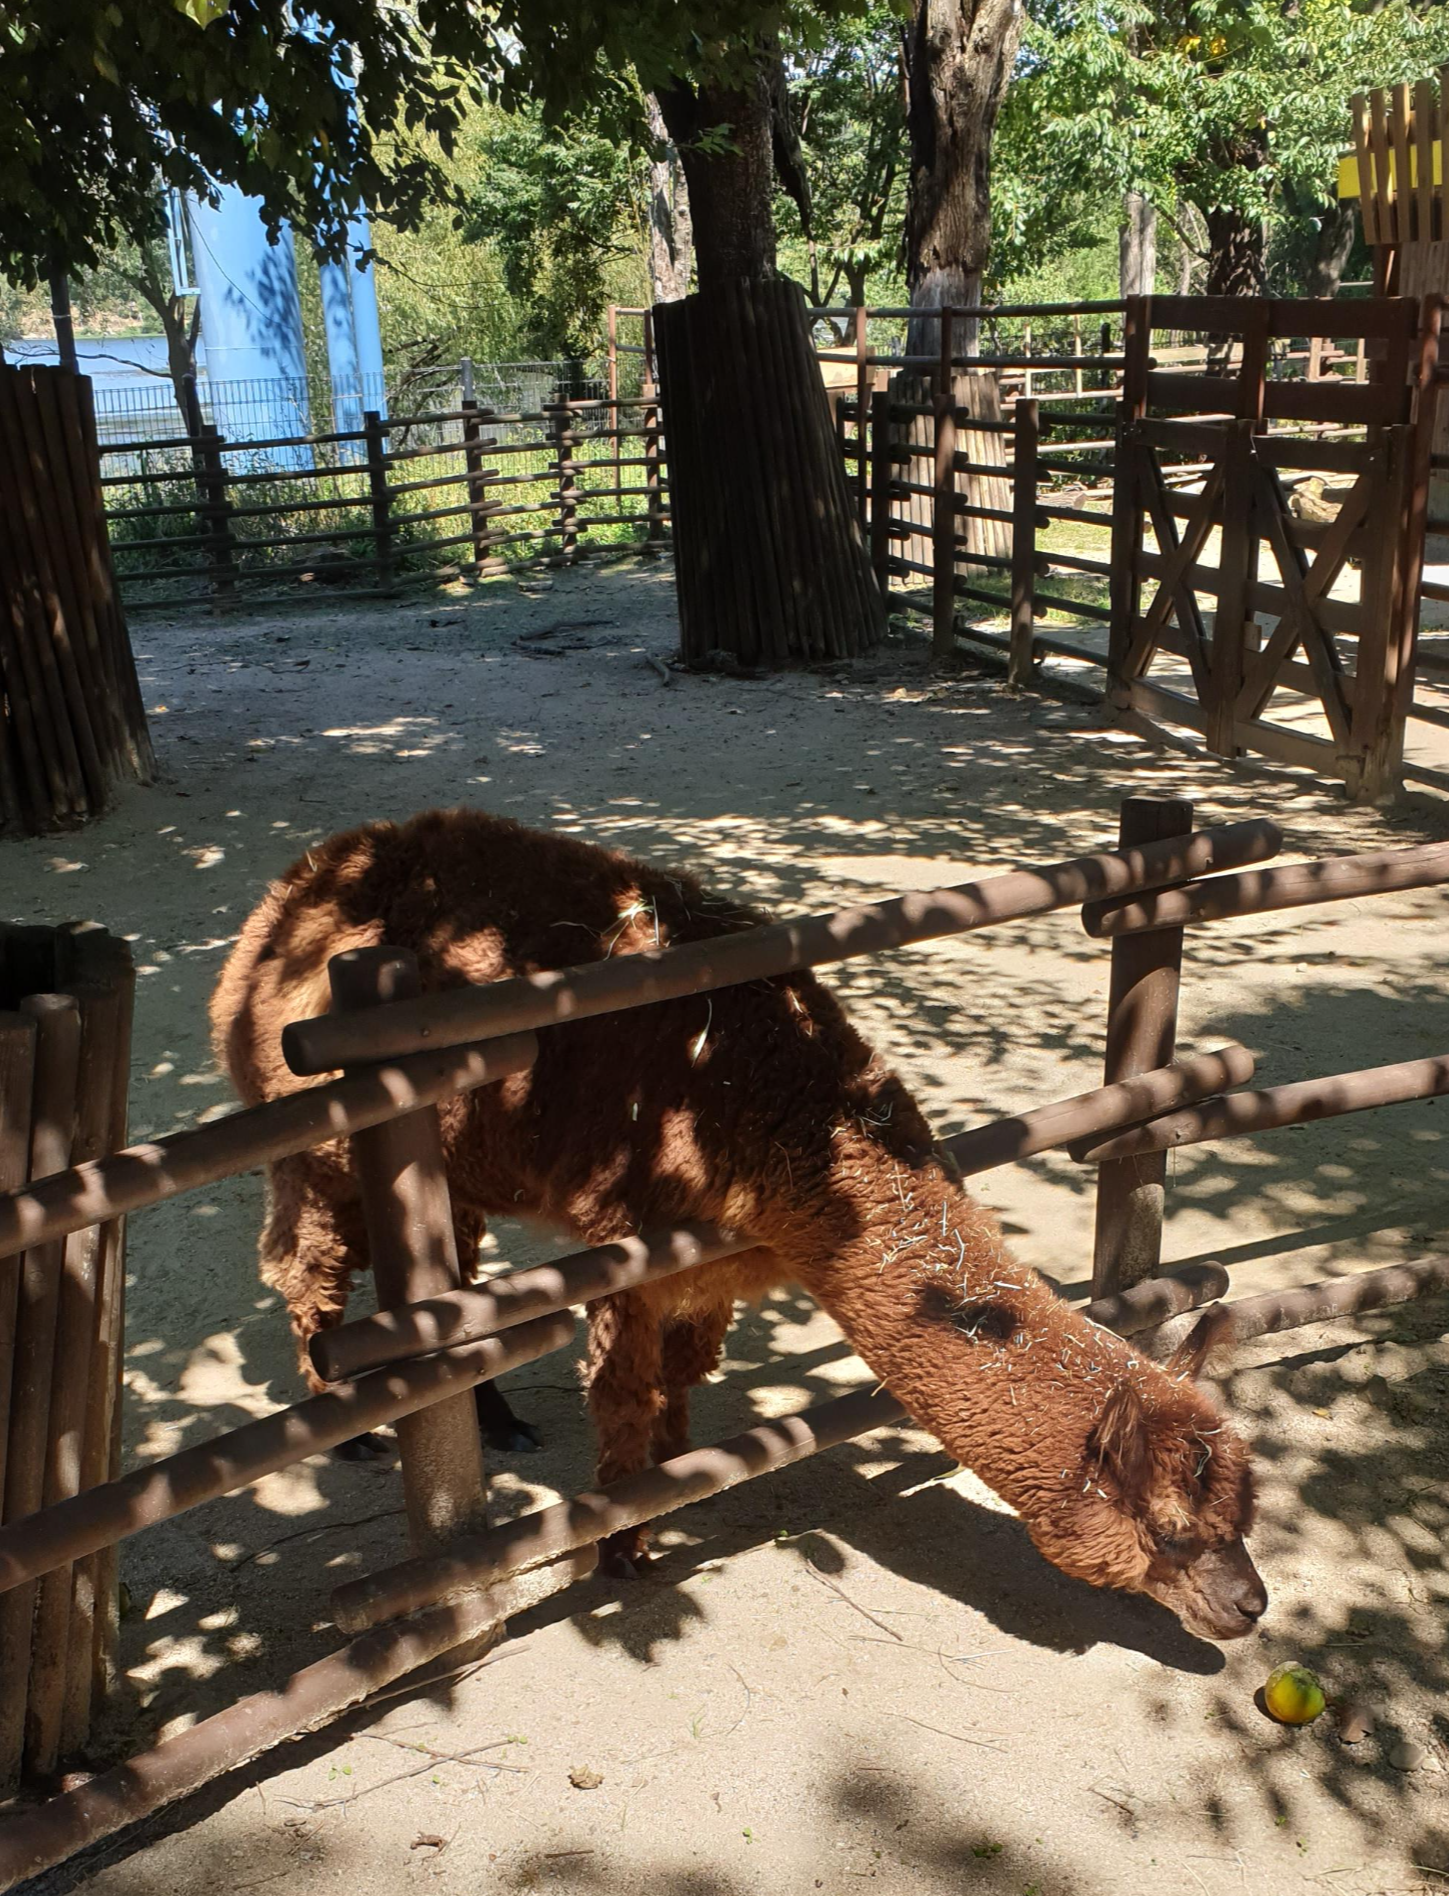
{"points": [[354, 333]]}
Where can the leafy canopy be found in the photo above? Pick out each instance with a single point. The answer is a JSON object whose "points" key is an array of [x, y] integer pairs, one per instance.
{"points": [[312, 108], [1237, 105]]}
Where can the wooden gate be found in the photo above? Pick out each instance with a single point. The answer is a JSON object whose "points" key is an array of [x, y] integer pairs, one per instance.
{"points": [[1292, 659]]}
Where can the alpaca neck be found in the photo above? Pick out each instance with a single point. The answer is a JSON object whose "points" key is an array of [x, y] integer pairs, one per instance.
{"points": [[972, 1342]]}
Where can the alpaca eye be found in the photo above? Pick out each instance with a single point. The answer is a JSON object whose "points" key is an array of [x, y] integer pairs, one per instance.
{"points": [[1173, 1546]]}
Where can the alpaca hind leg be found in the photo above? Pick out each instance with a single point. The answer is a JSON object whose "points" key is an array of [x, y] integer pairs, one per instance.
{"points": [[500, 1428], [623, 1377], [313, 1241], [691, 1352]]}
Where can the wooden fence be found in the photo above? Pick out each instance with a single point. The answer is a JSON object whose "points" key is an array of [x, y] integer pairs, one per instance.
{"points": [[437, 1339], [196, 519], [1272, 631]]}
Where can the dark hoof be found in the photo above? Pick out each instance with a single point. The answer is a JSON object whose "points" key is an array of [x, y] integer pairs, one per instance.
{"points": [[623, 1556], [363, 1448], [514, 1437]]}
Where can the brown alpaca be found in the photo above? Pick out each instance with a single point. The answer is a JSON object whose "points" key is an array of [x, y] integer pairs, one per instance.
{"points": [[758, 1108]]}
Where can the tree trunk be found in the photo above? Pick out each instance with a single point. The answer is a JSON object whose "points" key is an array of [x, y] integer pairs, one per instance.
{"points": [[958, 59], [671, 235], [1235, 254], [770, 565], [1137, 246], [730, 190], [1331, 253], [64, 322]]}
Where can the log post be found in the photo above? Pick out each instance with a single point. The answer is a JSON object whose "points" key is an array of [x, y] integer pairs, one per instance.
{"points": [[862, 391], [380, 494], [564, 440], [649, 396], [477, 477], [57, 1054], [1141, 1035], [217, 509], [943, 502], [881, 468], [412, 1245], [613, 385], [1023, 541]]}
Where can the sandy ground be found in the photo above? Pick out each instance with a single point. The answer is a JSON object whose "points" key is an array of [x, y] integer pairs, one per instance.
{"points": [[858, 1670]]}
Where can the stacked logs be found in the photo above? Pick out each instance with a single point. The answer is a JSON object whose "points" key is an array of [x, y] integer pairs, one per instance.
{"points": [[770, 566], [71, 719], [65, 1033]]}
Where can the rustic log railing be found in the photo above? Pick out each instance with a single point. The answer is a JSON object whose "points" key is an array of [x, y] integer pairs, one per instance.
{"points": [[422, 1350], [425, 497]]}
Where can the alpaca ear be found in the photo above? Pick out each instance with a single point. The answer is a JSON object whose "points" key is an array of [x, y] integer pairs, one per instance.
{"points": [[1120, 1442], [1186, 1362]]}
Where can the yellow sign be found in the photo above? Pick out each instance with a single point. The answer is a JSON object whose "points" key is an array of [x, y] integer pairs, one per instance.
{"points": [[1348, 185]]}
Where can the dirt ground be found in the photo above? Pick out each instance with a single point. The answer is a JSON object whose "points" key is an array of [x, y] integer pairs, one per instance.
{"points": [[859, 1669]]}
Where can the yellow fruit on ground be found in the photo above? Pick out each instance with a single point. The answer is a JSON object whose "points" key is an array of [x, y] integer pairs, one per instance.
{"points": [[1293, 1695]]}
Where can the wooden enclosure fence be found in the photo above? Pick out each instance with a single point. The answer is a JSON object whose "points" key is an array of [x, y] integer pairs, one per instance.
{"points": [[71, 720], [435, 1338], [1159, 515], [65, 1034], [197, 519]]}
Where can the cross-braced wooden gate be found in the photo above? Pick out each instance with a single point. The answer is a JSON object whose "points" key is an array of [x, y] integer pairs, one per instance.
{"points": [[1293, 660]]}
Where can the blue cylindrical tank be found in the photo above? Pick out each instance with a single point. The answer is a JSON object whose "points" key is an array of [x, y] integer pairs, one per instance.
{"points": [[354, 339], [251, 320]]}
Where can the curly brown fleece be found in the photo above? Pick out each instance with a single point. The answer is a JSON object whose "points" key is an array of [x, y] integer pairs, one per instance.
{"points": [[756, 1107]]}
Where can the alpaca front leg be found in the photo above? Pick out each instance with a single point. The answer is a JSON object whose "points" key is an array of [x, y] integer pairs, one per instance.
{"points": [[500, 1428], [313, 1241], [691, 1352], [623, 1377]]}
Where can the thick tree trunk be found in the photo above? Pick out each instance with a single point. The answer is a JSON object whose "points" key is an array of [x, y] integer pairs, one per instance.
{"points": [[770, 565], [1235, 254], [730, 190], [671, 233], [958, 59], [1137, 246], [1331, 253]]}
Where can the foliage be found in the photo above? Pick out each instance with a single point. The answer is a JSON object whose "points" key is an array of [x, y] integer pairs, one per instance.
{"points": [[313, 110], [565, 212], [850, 104], [1234, 106]]}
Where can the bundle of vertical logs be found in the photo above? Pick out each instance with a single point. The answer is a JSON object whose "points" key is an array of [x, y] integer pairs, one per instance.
{"points": [[71, 720], [65, 1033], [771, 566]]}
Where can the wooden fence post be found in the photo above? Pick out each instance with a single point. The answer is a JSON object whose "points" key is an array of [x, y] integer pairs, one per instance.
{"points": [[1237, 563], [216, 506], [881, 469], [477, 478], [380, 493], [862, 388], [1141, 1035], [1023, 540], [1125, 582], [565, 441], [613, 386], [649, 396], [412, 1247], [943, 502]]}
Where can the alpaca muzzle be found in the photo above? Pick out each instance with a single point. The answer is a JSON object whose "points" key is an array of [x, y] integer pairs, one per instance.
{"points": [[1228, 1595]]}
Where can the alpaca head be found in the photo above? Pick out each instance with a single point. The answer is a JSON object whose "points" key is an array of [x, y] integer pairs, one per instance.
{"points": [[1159, 1503]]}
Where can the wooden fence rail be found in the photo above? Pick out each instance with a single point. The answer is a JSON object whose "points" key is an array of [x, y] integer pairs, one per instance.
{"points": [[482, 489]]}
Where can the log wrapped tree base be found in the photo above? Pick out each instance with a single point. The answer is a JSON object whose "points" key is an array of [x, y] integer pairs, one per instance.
{"points": [[65, 1039], [71, 719], [771, 566]]}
